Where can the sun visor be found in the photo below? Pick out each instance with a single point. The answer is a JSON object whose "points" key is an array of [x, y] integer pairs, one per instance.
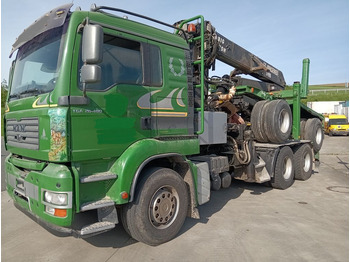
{"points": [[55, 18]]}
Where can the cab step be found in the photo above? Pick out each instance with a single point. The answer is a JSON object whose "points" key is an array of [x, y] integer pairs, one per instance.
{"points": [[98, 177], [96, 228], [105, 202]]}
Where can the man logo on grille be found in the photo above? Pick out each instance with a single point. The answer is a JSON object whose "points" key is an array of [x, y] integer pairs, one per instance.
{"points": [[19, 128]]}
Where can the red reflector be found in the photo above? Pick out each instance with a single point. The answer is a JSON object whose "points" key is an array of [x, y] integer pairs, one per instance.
{"points": [[60, 212], [125, 195]]}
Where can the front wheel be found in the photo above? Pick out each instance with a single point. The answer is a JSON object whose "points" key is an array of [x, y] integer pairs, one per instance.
{"points": [[159, 209]]}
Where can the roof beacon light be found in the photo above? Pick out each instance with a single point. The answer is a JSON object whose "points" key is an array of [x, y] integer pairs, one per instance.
{"points": [[191, 28]]}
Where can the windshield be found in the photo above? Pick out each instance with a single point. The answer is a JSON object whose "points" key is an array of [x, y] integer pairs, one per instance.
{"points": [[38, 64], [340, 121]]}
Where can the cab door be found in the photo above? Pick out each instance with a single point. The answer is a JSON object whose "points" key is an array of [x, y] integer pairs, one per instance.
{"points": [[112, 120]]}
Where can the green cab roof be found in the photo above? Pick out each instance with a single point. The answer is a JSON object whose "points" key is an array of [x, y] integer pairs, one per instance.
{"points": [[136, 28]]}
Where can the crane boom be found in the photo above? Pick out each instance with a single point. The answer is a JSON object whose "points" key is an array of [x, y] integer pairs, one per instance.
{"points": [[246, 62], [218, 47]]}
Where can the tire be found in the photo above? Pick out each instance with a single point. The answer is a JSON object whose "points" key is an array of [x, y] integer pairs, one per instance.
{"points": [[226, 179], [284, 169], [302, 129], [215, 183], [314, 133], [278, 121], [303, 162], [122, 217], [257, 120], [159, 209]]}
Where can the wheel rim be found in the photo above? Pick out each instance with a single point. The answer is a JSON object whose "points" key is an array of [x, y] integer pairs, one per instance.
{"points": [[319, 136], [307, 162], [164, 207], [288, 167], [284, 121]]}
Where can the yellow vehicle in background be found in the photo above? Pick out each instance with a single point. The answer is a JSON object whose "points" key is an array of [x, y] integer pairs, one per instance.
{"points": [[336, 125]]}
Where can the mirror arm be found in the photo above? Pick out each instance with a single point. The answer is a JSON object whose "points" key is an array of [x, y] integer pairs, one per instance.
{"points": [[84, 89]]}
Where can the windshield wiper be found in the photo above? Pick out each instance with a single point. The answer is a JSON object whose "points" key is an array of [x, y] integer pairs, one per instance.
{"points": [[14, 96], [35, 91]]}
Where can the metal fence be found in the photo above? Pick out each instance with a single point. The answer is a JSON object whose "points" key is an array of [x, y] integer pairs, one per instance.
{"points": [[338, 90]]}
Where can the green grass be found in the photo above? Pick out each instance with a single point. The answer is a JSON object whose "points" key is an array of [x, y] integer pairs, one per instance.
{"points": [[321, 87], [342, 94], [328, 96], [324, 87]]}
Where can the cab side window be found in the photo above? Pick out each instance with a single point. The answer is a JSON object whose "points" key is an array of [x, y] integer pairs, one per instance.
{"points": [[128, 62], [152, 65], [121, 63]]}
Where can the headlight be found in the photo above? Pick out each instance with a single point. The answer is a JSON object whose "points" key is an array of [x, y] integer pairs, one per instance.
{"points": [[60, 199]]}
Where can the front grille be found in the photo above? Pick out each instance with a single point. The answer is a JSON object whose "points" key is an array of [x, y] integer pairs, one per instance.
{"points": [[23, 133]]}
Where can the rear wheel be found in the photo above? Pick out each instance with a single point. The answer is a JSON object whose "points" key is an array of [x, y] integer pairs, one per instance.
{"points": [[303, 162], [160, 207], [314, 132], [278, 121], [257, 118], [284, 169]]}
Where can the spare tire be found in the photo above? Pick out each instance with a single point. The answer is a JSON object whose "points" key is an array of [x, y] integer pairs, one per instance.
{"points": [[314, 133], [277, 121], [257, 119]]}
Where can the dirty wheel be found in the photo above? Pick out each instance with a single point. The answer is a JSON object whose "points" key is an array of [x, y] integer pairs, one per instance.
{"points": [[303, 162], [314, 132], [257, 121], [284, 169], [278, 121], [160, 207]]}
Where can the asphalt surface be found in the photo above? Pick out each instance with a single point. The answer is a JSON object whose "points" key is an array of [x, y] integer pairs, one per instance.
{"points": [[246, 222]]}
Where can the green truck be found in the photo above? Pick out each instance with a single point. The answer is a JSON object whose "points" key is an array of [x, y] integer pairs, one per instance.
{"points": [[121, 119]]}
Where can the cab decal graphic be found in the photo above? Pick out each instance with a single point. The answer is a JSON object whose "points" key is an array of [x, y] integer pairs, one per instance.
{"points": [[58, 140], [42, 102], [172, 69], [144, 102]]}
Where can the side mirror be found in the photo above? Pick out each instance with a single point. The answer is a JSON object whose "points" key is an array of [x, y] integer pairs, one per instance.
{"points": [[90, 74], [92, 44]]}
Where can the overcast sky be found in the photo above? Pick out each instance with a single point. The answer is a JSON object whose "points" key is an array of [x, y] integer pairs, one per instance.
{"points": [[281, 32]]}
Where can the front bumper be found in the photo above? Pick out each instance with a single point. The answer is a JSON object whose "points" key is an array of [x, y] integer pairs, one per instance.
{"points": [[54, 229], [27, 187], [339, 132]]}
